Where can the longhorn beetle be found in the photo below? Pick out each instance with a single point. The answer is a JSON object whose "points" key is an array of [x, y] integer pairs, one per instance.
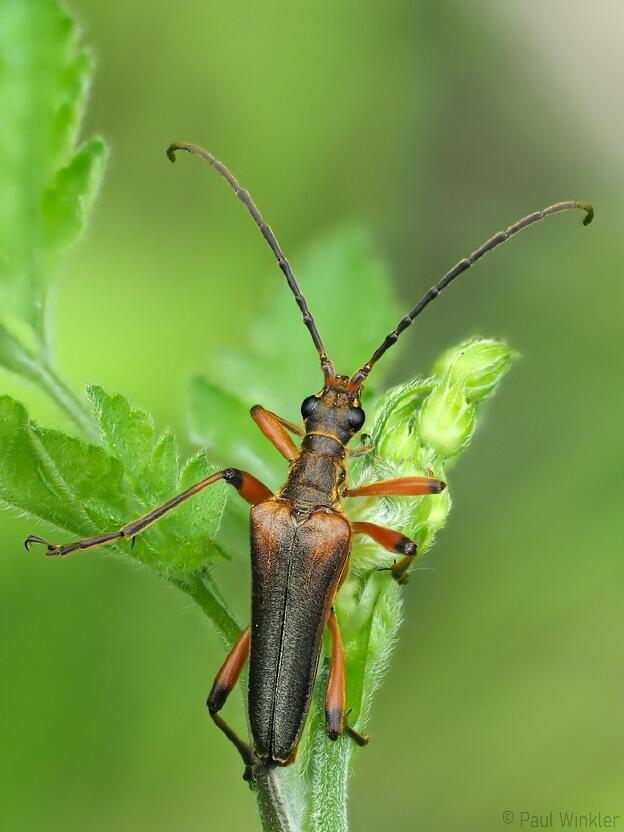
{"points": [[300, 537]]}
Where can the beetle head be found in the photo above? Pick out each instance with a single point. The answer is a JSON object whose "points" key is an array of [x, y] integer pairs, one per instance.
{"points": [[334, 410]]}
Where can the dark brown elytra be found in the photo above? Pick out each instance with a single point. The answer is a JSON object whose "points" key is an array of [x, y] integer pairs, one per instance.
{"points": [[300, 537]]}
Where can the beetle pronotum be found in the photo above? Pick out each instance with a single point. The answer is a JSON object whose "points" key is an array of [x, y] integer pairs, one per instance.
{"points": [[300, 537]]}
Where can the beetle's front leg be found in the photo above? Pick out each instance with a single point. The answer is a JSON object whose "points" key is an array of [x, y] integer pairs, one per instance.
{"points": [[394, 542], [247, 486], [335, 724], [223, 685], [276, 431], [365, 447]]}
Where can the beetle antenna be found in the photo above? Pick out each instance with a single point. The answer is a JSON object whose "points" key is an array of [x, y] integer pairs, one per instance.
{"points": [[495, 241], [244, 196]]}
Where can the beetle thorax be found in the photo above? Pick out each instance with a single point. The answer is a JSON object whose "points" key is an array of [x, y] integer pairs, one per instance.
{"points": [[317, 477]]}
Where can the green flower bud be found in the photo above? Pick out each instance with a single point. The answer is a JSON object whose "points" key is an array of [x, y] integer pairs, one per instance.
{"points": [[394, 431], [479, 364], [447, 419], [399, 441], [419, 428]]}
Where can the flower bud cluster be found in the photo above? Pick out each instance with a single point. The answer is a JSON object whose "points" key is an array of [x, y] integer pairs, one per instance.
{"points": [[419, 429]]}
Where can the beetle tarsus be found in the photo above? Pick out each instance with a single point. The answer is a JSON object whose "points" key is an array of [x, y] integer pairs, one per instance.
{"points": [[33, 539], [358, 739], [399, 571]]}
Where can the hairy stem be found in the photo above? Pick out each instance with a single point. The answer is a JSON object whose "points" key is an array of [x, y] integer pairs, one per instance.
{"points": [[273, 792], [17, 358], [60, 393], [203, 592]]}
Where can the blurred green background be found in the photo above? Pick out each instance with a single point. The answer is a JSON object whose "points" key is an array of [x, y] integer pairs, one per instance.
{"points": [[435, 125]]}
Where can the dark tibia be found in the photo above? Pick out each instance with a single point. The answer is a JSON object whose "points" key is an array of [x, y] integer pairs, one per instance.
{"points": [[223, 685], [335, 722], [394, 542]]}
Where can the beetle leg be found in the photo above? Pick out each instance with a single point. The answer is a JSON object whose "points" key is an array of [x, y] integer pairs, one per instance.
{"points": [[335, 724], [365, 446], [361, 450], [403, 486], [275, 429], [335, 696], [247, 486], [392, 541], [223, 685]]}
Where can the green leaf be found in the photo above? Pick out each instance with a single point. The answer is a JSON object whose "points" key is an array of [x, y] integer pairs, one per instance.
{"points": [[279, 365], [183, 539], [44, 78], [80, 490], [67, 201], [200, 517], [129, 434], [84, 490], [164, 466], [57, 478]]}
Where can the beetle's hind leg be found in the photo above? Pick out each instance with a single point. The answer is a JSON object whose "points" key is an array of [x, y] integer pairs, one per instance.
{"points": [[247, 486], [365, 447], [335, 720], [394, 542], [223, 685]]}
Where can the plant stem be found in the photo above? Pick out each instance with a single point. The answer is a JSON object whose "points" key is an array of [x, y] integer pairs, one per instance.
{"points": [[273, 792], [15, 356], [197, 587], [49, 381]]}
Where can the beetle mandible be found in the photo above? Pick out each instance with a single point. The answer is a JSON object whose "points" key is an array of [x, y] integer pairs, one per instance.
{"points": [[300, 537]]}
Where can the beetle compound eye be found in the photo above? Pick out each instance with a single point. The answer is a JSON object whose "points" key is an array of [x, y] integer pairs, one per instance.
{"points": [[308, 406], [356, 418]]}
